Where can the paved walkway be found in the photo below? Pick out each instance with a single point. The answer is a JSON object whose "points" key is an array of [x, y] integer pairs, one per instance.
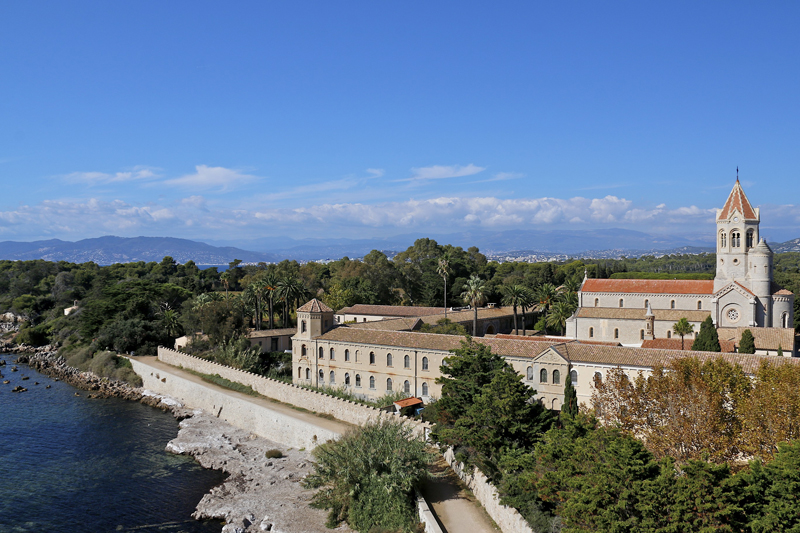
{"points": [[456, 512]]}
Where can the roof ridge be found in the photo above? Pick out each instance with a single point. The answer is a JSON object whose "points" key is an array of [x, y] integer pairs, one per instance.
{"points": [[737, 200]]}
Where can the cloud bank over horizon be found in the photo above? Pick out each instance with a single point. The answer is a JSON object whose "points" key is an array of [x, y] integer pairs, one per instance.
{"points": [[200, 217]]}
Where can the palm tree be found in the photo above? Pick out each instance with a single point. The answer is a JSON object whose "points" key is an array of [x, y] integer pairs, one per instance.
{"points": [[254, 295], [682, 327], [444, 269], [544, 297], [225, 278], [169, 320], [514, 295], [270, 288], [560, 311], [527, 301], [290, 290], [473, 295]]}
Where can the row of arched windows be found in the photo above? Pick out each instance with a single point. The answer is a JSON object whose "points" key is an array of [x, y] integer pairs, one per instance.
{"points": [[543, 375], [347, 382], [389, 358], [736, 239]]}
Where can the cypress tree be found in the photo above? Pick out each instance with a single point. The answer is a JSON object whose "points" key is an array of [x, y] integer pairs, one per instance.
{"points": [[708, 339], [747, 344], [570, 407], [780, 351]]}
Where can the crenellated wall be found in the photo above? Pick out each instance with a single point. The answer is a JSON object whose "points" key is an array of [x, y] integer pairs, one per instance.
{"points": [[321, 403]]}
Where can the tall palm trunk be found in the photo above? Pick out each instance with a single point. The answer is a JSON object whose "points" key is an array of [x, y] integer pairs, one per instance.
{"points": [[271, 312], [523, 320], [516, 331], [475, 321]]}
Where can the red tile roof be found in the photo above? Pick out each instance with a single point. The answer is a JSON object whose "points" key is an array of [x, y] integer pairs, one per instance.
{"points": [[315, 306], [738, 201], [408, 402], [650, 286]]}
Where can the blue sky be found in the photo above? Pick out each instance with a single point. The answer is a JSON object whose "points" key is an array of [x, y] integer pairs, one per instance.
{"points": [[244, 120]]}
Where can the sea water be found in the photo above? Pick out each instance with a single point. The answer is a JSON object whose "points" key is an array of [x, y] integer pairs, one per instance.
{"points": [[72, 464]]}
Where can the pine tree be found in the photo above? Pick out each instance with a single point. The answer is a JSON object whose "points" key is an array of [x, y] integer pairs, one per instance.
{"points": [[708, 339], [570, 407], [747, 344]]}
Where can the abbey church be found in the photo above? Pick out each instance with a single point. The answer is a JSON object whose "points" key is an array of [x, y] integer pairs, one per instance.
{"points": [[743, 294]]}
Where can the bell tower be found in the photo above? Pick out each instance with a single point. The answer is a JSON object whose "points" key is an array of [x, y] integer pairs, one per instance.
{"points": [[737, 234]]}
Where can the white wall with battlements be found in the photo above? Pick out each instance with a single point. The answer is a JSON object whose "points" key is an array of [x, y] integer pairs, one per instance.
{"points": [[318, 402]]}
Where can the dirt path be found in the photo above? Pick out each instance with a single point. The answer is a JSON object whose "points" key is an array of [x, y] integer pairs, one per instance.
{"points": [[455, 507], [456, 510]]}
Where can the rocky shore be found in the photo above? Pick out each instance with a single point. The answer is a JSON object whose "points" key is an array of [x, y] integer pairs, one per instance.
{"points": [[45, 359], [260, 493]]}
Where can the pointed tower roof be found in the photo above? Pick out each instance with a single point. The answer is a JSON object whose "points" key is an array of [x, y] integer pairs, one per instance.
{"points": [[315, 306], [737, 201]]}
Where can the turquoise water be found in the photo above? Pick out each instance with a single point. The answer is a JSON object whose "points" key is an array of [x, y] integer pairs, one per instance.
{"points": [[71, 464]]}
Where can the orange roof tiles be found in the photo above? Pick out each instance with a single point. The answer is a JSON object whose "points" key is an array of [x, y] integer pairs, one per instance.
{"points": [[650, 286], [737, 201], [408, 402], [675, 344]]}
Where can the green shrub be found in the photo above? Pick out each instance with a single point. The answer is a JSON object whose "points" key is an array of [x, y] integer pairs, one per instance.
{"points": [[367, 477], [274, 454]]}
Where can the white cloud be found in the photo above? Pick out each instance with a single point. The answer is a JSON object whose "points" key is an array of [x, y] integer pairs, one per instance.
{"points": [[93, 178], [217, 178], [437, 172], [376, 172]]}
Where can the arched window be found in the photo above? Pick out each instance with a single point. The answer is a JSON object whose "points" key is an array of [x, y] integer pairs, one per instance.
{"points": [[723, 240], [357, 354], [573, 376], [299, 373], [321, 353], [749, 241], [598, 377], [591, 332], [785, 320], [424, 389], [543, 376], [699, 304], [616, 333], [308, 373], [333, 354], [669, 334], [389, 384], [346, 379], [372, 358], [406, 362], [556, 377], [358, 380], [333, 377], [424, 363], [596, 302], [303, 351], [407, 387], [321, 378], [621, 302], [736, 239], [347, 355], [372, 382], [641, 334], [672, 304], [646, 303], [303, 326], [388, 359], [530, 373]]}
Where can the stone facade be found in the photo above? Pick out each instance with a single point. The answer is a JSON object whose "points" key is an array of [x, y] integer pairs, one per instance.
{"points": [[743, 293]]}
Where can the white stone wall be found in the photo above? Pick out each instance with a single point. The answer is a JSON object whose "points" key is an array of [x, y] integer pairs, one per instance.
{"points": [[317, 402], [239, 412], [683, 302]]}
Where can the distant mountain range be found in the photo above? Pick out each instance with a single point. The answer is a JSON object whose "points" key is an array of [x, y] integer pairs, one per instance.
{"points": [[505, 245]]}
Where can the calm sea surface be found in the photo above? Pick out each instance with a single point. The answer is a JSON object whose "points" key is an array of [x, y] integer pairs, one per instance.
{"points": [[70, 464]]}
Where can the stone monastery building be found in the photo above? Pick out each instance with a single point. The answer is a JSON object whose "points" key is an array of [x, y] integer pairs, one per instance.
{"points": [[378, 350], [742, 295]]}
